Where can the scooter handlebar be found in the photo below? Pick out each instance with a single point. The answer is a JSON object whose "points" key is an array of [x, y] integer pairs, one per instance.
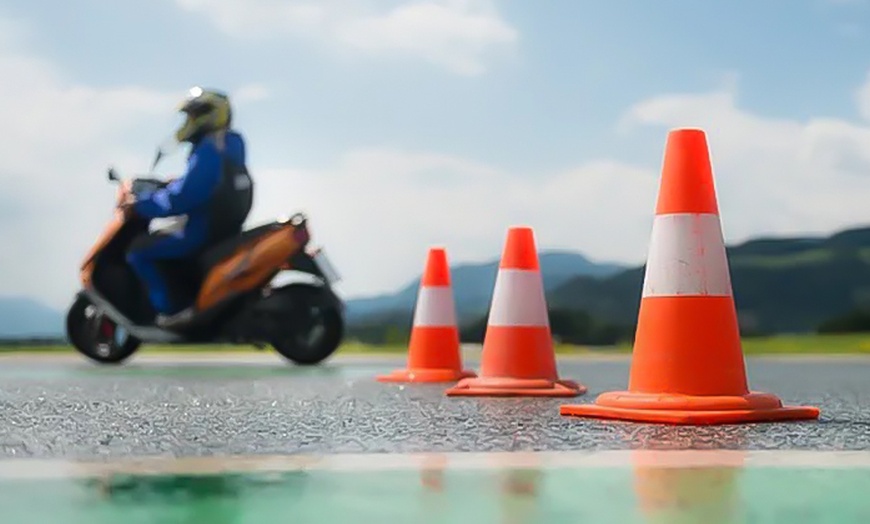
{"points": [[137, 184]]}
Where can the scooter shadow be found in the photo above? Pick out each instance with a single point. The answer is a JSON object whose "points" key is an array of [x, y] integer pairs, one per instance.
{"points": [[216, 369]]}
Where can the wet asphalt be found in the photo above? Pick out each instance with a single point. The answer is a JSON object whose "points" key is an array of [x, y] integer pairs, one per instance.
{"points": [[76, 410]]}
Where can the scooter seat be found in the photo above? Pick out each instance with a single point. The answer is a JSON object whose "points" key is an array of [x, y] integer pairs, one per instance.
{"points": [[227, 247]]}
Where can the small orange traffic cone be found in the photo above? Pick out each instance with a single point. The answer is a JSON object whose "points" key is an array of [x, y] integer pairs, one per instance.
{"points": [[518, 357], [433, 351], [687, 364]]}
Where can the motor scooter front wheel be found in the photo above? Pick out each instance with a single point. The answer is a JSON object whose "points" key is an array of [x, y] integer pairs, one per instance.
{"points": [[96, 336]]}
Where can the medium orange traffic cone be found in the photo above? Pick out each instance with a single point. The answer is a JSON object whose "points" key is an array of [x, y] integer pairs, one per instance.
{"points": [[687, 364], [433, 351], [518, 357]]}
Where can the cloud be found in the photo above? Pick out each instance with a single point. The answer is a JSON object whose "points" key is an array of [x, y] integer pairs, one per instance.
{"points": [[774, 175], [453, 34], [377, 211], [250, 93], [260, 18], [458, 35], [58, 138], [863, 98]]}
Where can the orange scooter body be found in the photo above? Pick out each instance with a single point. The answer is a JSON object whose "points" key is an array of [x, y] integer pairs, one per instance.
{"points": [[117, 222]]}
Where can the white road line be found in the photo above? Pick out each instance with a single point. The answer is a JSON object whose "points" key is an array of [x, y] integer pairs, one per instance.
{"points": [[12, 469]]}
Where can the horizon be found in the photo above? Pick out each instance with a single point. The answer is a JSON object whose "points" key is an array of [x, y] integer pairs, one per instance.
{"points": [[399, 124], [541, 253]]}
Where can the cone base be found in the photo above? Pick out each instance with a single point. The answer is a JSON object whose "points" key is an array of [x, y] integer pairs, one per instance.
{"points": [[516, 387], [426, 375], [688, 409]]}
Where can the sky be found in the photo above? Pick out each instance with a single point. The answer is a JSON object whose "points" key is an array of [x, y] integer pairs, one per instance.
{"points": [[397, 125]]}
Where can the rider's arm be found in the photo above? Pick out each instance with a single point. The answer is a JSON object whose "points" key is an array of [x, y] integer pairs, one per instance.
{"points": [[186, 192]]}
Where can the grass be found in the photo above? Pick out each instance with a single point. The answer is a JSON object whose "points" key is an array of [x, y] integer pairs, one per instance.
{"points": [[777, 345], [808, 345]]}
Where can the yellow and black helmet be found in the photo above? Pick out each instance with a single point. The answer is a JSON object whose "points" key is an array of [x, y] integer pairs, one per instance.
{"points": [[205, 111]]}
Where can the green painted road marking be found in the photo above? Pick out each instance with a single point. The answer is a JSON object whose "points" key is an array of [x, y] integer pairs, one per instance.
{"points": [[618, 487]]}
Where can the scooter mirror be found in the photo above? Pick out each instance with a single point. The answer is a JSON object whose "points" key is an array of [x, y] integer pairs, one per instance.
{"points": [[157, 157], [113, 176], [164, 149]]}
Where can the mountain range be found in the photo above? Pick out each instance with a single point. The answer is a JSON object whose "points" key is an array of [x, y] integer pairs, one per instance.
{"points": [[473, 285], [786, 285], [25, 317], [780, 285]]}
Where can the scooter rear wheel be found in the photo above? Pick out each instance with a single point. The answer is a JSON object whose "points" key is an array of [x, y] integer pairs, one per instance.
{"points": [[313, 332]]}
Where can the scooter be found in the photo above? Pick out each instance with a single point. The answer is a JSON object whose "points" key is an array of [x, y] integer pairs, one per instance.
{"points": [[261, 287]]}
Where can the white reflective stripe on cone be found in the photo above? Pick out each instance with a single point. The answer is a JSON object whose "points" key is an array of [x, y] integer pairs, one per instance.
{"points": [[687, 257], [518, 299], [435, 307]]}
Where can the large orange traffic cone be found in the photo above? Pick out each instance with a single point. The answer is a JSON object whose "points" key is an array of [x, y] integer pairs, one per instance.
{"points": [[518, 357], [687, 365], [433, 351]]}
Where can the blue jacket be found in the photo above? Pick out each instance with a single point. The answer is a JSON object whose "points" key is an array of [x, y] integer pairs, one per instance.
{"points": [[191, 193]]}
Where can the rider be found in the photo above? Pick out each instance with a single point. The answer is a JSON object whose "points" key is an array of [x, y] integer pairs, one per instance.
{"points": [[215, 194]]}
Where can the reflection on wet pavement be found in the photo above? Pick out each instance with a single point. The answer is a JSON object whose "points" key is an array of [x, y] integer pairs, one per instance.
{"points": [[641, 487]]}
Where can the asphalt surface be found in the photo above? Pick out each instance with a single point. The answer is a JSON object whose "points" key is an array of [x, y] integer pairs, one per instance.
{"points": [[72, 409]]}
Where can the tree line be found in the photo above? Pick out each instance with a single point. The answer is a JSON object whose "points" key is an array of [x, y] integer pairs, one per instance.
{"points": [[568, 326], [577, 327]]}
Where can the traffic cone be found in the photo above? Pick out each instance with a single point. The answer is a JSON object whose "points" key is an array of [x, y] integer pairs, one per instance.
{"points": [[433, 351], [687, 364], [518, 357]]}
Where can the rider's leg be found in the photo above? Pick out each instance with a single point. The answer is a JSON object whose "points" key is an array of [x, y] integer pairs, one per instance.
{"points": [[143, 257]]}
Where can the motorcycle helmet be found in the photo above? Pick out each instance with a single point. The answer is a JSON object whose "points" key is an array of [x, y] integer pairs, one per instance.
{"points": [[205, 111]]}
